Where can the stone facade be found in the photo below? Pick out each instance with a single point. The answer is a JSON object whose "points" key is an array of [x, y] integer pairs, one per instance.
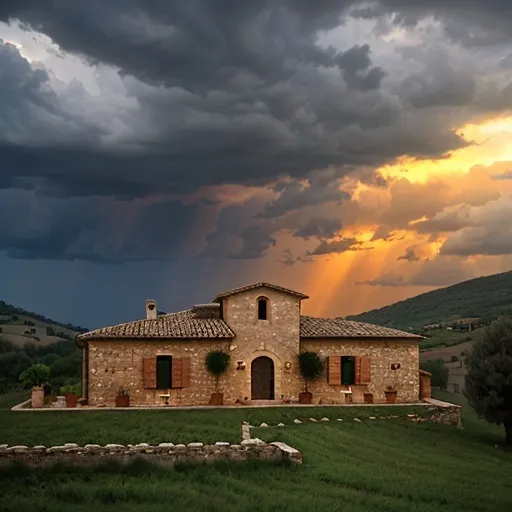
{"points": [[382, 355], [278, 338], [116, 364], [115, 357]]}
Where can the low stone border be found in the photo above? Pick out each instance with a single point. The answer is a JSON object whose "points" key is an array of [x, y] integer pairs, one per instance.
{"points": [[436, 411], [26, 407], [164, 454]]}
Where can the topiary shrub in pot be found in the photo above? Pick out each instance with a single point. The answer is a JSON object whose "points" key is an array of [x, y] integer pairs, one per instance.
{"points": [[35, 377], [71, 393], [217, 363], [311, 367]]}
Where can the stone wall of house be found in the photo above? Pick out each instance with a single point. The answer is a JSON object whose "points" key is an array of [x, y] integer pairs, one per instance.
{"points": [[276, 338], [115, 364], [382, 355], [164, 454]]}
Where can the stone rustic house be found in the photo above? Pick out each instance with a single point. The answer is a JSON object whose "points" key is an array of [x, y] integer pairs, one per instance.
{"points": [[262, 329]]}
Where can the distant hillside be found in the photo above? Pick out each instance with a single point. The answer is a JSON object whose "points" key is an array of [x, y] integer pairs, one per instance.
{"points": [[484, 297], [19, 327]]}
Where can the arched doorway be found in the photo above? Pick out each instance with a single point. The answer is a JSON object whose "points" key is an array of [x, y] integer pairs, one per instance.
{"points": [[262, 379]]}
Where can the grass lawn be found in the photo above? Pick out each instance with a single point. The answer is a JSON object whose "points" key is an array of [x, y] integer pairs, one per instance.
{"points": [[131, 427], [375, 465]]}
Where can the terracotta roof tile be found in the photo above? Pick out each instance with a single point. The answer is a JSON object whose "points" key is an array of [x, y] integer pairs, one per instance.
{"points": [[188, 325], [184, 324], [312, 327], [258, 285]]}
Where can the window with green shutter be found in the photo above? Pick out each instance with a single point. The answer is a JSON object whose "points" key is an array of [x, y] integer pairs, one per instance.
{"points": [[348, 373], [164, 372]]}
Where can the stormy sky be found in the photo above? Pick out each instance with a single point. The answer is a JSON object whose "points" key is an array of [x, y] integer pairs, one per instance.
{"points": [[359, 152]]}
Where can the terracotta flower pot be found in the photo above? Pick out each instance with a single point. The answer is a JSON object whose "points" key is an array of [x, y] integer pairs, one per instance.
{"points": [[217, 399], [305, 397], [391, 396], [122, 401], [71, 400], [368, 398], [37, 398]]}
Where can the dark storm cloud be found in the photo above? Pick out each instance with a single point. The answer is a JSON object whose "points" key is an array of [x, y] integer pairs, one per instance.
{"points": [[319, 227], [384, 280], [470, 22], [337, 246], [30, 109], [255, 241], [357, 68], [409, 255], [199, 44], [91, 229], [212, 92], [321, 187], [442, 86], [226, 92]]}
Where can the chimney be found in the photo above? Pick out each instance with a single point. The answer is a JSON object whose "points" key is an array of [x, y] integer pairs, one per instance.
{"points": [[206, 310], [151, 311]]}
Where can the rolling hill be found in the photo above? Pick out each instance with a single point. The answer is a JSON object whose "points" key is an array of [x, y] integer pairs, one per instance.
{"points": [[20, 327], [485, 297]]}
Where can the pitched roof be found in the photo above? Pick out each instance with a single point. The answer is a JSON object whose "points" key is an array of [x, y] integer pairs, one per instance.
{"points": [[259, 285], [312, 327], [184, 324]]}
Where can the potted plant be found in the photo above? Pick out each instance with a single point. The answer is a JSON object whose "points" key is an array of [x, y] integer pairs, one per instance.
{"points": [[368, 397], [71, 393], [122, 398], [391, 393], [311, 366], [217, 363], [35, 377]]}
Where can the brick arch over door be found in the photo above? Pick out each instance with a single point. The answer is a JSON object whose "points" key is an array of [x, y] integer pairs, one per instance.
{"points": [[277, 370]]}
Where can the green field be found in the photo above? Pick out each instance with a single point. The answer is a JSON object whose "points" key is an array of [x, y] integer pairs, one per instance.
{"points": [[445, 338], [375, 465]]}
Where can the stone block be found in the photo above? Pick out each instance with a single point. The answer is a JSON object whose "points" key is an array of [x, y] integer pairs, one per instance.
{"points": [[16, 448], [252, 442], [288, 452]]}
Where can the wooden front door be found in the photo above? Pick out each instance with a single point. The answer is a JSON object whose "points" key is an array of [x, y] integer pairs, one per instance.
{"points": [[262, 379]]}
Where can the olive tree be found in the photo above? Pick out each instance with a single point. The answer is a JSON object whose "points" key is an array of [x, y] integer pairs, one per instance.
{"points": [[489, 378]]}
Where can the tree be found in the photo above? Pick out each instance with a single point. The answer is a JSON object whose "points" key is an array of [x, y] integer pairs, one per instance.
{"points": [[310, 366], [439, 372], [489, 378], [35, 376], [11, 365], [217, 363]]}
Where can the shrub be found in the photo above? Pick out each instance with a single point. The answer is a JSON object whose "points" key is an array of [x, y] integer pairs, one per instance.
{"points": [[217, 363], [439, 372], [71, 388], [310, 366], [35, 376]]}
